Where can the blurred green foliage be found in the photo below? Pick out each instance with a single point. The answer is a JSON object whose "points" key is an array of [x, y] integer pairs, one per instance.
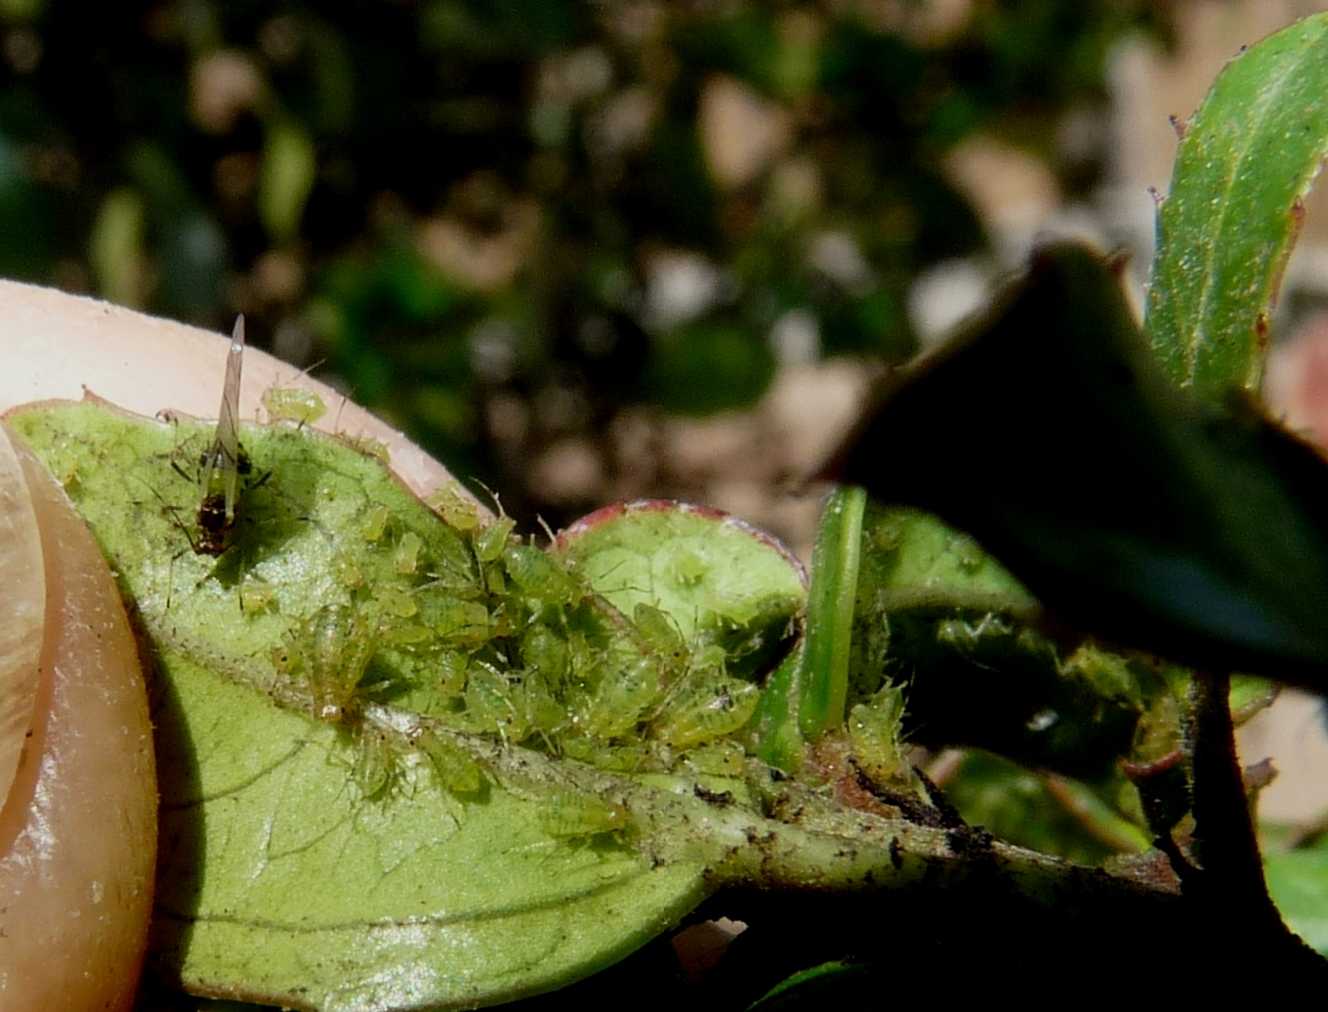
{"points": [[500, 223]]}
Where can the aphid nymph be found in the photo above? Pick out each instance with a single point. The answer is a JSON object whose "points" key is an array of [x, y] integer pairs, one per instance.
{"points": [[224, 461]]}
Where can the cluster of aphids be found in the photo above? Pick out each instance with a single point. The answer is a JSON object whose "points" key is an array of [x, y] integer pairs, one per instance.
{"points": [[502, 638], [458, 619]]}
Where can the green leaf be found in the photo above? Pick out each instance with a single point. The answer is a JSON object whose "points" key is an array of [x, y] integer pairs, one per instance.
{"points": [[317, 849], [279, 883], [1047, 432], [831, 981], [348, 822], [934, 608], [1245, 165], [1298, 882], [385, 780], [719, 579], [1078, 821], [776, 736], [912, 560]]}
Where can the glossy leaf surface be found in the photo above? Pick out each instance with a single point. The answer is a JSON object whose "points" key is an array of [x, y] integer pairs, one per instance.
{"points": [[1246, 162]]}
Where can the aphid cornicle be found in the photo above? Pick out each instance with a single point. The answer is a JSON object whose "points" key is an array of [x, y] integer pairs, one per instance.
{"points": [[224, 461]]}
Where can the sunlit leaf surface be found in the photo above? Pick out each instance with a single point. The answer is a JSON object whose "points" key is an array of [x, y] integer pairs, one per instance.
{"points": [[1245, 165]]}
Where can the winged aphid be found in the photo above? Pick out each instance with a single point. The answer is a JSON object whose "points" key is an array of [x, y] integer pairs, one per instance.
{"points": [[224, 462]]}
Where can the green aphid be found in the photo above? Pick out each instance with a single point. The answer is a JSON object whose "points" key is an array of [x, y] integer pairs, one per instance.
{"points": [[456, 771], [495, 582], [375, 523], [396, 601], [542, 710], [966, 635], [348, 571], [409, 635], [585, 662], [687, 568], [661, 637], [256, 596], [540, 576], [621, 700], [367, 445], [406, 555], [567, 815], [293, 404], [707, 710], [452, 668], [618, 758], [720, 758], [454, 506], [885, 532], [463, 623], [711, 657], [874, 731], [454, 567], [544, 651], [492, 706], [331, 650], [375, 764], [491, 541]]}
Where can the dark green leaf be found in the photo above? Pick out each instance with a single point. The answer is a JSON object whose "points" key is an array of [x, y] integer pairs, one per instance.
{"points": [[1146, 518], [813, 987]]}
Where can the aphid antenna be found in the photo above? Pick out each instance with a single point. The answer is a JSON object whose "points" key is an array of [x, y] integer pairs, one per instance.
{"points": [[548, 531], [497, 499], [336, 419], [278, 384], [548, 742]]}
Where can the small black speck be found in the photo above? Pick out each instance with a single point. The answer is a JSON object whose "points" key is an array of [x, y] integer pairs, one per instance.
{"points": [[718, 798], [969, 840]]}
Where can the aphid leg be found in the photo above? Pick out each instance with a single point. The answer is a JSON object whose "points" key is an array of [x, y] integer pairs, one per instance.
{"points": [[548, 531]]}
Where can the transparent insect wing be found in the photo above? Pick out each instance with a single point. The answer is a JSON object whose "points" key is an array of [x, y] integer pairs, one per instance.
{"points": [[221, 466]]}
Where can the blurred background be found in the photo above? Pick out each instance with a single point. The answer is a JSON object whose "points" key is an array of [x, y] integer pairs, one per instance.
{"points": [[591, 251], [579, 251]]}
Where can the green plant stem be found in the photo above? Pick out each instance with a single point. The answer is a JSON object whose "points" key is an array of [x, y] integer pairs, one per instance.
{"points": [[835, 562], [814, 845], [1224, 835]]}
